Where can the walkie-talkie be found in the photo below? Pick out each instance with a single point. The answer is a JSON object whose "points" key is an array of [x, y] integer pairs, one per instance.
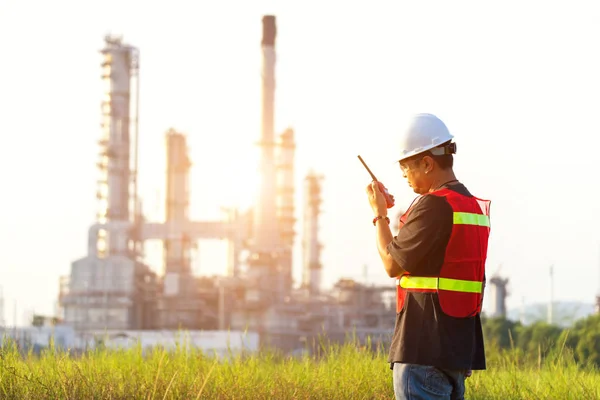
{"points": [[389, 201]]}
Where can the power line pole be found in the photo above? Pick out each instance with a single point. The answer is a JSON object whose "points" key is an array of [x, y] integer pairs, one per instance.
{"points": [[550, 304], [2, 322]]}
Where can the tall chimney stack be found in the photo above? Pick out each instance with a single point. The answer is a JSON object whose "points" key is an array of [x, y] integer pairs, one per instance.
{"points": [[266, 229]]}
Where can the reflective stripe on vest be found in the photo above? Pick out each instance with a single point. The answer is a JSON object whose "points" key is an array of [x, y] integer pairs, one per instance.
{"points": [[433, 283], [463, 218], [459, 286]]}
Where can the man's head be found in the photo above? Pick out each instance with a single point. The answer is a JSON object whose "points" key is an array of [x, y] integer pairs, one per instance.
{"points": [[427, 149]]}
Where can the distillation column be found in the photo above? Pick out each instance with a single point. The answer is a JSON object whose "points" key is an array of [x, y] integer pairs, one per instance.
{"points": [[108, 288], [498, 295], [178, 306], [177, 246], [119, 66], [285, 205], [311, 271]]}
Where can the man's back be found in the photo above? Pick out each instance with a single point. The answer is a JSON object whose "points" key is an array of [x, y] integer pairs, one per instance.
{"points": [[424, 334]]}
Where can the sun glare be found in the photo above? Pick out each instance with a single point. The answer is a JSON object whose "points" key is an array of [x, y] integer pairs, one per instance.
{"points": [[224, 180]]}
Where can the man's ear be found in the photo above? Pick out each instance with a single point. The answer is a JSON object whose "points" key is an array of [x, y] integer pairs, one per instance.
{"points": [[428, 163]]}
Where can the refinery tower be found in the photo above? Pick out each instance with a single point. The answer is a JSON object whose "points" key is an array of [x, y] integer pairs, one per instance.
{"points": [[112, 288]]}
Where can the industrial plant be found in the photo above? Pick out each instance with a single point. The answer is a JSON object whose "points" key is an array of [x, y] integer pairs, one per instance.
{"points": [[113, 292], [112, 289]]}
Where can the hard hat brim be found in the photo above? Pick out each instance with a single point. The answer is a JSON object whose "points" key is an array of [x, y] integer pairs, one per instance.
{"points": [[423, 149]]}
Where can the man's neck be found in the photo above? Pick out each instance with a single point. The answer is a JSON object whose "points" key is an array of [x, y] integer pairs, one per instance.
{"points": [[444, 178]]}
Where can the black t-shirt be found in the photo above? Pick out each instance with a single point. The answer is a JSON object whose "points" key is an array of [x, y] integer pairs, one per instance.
{"points": [[424, 334]]}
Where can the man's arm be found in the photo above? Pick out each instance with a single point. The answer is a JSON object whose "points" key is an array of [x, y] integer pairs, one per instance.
{"points": [[421, 239], [384, 238], [429, 221], [384, 235]]}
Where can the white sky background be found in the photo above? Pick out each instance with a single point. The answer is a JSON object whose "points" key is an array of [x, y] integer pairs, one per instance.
{"points": [[516, 83]]}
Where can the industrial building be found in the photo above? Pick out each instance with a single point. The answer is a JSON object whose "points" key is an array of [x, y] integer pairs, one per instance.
{"points": [[112, 289], [498, 292]]}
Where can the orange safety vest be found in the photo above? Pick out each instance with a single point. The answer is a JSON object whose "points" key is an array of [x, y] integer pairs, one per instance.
{"points": [[459, 285]]}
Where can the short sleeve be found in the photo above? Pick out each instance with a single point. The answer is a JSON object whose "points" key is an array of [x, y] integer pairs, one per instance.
{"points": [[421, 242]]}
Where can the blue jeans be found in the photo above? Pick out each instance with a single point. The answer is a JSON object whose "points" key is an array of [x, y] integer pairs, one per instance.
{"points": [[422, 382]]}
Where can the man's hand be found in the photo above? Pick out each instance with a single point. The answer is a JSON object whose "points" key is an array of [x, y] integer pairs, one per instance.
{"points": [[376, 199], [384, 235]]}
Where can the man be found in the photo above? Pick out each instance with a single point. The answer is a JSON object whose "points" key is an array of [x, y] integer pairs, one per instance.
{"points": [[438, 258]]}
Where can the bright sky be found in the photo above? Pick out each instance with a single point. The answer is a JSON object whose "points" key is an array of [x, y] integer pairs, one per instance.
{"points": [[516, 82]]}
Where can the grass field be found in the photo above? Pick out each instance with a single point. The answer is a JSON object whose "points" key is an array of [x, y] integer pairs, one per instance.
{"points": [[341, 372]]}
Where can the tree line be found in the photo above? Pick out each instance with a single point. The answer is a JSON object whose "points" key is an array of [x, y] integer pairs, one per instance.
{"points": [[540, 340]]}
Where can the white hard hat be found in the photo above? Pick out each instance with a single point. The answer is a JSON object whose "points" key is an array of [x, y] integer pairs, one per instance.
{"points": [[424, 132]]}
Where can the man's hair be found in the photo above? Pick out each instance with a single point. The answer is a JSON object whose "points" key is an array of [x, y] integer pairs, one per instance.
{"points": [[445, 161]]}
